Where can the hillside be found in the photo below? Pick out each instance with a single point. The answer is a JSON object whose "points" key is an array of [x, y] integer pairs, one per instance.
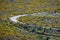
{"points": [[36, 27]]}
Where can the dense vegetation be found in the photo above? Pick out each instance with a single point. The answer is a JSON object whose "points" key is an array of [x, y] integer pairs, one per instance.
{"points": [[46, 21], [15, 7], [17, 31], [9, 31]]}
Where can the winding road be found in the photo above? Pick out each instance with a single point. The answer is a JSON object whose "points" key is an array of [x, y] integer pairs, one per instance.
{"points": [[14, 18]]}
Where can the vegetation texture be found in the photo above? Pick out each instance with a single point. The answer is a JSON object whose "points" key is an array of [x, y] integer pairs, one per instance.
{"points": [[43, 28]]}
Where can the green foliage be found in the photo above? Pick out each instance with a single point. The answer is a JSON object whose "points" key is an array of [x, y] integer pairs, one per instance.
{"points": [[26, 7], [10, 31], [41, 21]]}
